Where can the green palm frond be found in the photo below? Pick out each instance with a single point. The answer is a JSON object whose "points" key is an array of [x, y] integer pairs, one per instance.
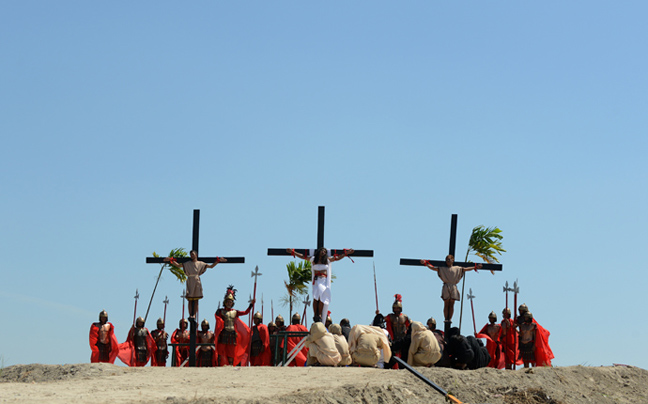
{"points": [[175, 253], [485, 242]]}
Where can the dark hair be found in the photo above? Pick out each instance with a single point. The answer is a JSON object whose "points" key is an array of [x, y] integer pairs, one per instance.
{"points": [[316, 256]]}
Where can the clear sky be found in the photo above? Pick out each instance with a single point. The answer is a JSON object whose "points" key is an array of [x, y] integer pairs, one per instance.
{"points": [[119, 118]]}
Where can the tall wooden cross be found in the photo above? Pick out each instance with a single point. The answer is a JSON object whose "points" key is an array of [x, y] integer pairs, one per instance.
{"points": [[451, 251], [209, 260], [320, 244], [320, 241]]}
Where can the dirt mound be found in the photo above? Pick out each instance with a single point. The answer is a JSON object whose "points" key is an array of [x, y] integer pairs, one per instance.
{"points": [[104, 383]]}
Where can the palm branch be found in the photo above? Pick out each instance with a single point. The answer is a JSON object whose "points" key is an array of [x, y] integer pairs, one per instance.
{"points": [[485, 242], [178, 272]]}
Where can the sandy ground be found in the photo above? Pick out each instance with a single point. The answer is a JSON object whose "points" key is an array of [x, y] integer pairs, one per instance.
{"points": [[105, 383]]}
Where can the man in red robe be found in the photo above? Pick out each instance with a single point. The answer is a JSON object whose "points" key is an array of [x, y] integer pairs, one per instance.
{"points": [[301, 357], [139, 346], [491, 333], [232, 334], [260, 353], [103, 342], [181, 336], [508, 339]]}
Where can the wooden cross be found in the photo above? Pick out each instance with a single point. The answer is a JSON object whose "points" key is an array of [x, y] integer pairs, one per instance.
{"points": [[320, 241], [209, 260], [451, 251], [442, 263]]}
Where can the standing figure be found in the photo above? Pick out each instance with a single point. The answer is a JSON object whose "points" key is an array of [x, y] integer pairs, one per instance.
{"points": [[493, 332], [321, 347], [527, 340], [181, 336], [103, 342], [542, 350], [424, 349], [233, 334], [206, 357], [139, 345], [366, 343], [321, 278], [161, 348], [193, 269], [508, 339], [450, 275], [272, 330], [260, 352], [300, 359], [397, 324]]}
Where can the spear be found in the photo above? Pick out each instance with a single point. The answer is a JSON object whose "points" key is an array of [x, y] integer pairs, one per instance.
{"points": [[135, 310], [471, 297], [254, 275], [307, 303], [166, 301], [183, 302], [375, 286], [515, 291], [272, 310], [250, 313], [506, 290], [261, 305]]}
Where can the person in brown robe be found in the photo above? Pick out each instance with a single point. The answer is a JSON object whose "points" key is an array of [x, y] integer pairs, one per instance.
{"points": [[193, 269]]}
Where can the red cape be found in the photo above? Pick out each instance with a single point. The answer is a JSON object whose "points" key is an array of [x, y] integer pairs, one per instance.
{"points": [[493, 348], [94, 337], [242, 341], [543, 352], [510, 345], [181, 352], [265, 358], [391, 331], [300, 359], [127, 350]]}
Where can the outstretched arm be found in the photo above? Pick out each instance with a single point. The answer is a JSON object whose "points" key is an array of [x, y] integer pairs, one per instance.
{"points": [[218, 260], [476, 267], [345, 254], [427, 264], [297, 254], [172, 261]]}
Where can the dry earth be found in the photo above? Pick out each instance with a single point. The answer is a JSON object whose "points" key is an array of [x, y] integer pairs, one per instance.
{"points": [[105, 383]]}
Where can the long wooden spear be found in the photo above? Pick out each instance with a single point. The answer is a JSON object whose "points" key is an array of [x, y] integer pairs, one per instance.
{"points": [[135, 310], [471, 297]]}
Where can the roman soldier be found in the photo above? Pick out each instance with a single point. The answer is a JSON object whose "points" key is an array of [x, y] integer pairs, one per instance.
{"points": [[542, 352], [233, 335], [491, 332], [272, 330], [207, 353], [161, 349], [300, 359], [279, 322], [181, 336], [260, 353], [139, 346], [397, 324], [103, 342], [527, 339], [508, 339]]}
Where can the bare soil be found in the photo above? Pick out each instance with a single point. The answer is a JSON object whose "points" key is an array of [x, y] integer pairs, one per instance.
{"points": [[105, 383]]}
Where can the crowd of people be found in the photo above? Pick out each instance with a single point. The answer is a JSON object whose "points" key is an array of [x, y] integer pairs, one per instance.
{"points": [[513, 342]]}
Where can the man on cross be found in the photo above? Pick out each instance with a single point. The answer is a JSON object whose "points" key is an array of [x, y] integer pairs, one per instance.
{"points": [[193, 269], [450, 275]]}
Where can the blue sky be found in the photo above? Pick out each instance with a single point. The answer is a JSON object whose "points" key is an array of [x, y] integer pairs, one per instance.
{"points": [[118, 119]]}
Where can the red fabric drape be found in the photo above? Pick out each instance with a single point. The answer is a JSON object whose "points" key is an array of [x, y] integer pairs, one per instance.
{"points": [[300, 359], [265, 358], [127, 350], [181, 352], [94, 337]]}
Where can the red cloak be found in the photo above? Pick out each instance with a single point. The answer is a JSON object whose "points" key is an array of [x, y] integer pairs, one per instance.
{"points": [[240, 350], [543, 352], [510, 345], [94, 337], [127, 349], [300, 359], [494, 348], [265, 357], [181, 352]]}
